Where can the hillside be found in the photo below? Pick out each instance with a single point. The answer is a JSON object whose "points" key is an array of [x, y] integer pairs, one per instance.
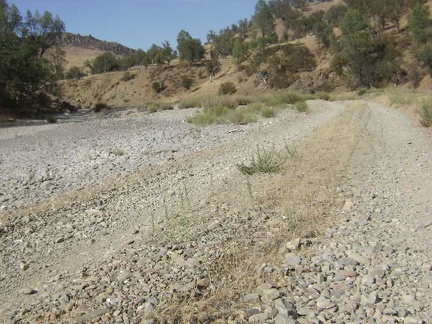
{"points": [[117, 90], [80, 48]]}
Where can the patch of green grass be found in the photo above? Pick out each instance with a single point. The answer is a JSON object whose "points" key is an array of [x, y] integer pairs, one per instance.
{"points": [[301, 106], [268, 112]]}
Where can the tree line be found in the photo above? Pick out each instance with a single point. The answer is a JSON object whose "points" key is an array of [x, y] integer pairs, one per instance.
{"points": [[364, 53]]}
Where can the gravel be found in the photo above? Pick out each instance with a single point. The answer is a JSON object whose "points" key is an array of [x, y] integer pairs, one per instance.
{"points": [[90, 252]]}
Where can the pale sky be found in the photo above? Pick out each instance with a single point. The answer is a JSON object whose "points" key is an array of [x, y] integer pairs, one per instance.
{"points": [[140, 23]]}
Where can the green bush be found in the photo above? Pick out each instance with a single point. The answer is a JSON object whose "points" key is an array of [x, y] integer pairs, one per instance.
{"points": [[227, 88], [187, 83], [158, 86], [51, 120]]}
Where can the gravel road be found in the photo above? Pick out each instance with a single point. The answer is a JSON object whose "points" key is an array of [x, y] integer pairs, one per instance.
{"points": [[87, 205]]}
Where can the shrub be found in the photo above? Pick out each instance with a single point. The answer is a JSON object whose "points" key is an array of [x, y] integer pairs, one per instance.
{"points": [[100, 106], [127, 76], [426, 113], [74, 73], [301, 106], [166, 106], [361, 92], [187, 83], [51, 120], [158, 86], [322, 95], [268, 112], [153, 107], [227, 88], [262, 161]]}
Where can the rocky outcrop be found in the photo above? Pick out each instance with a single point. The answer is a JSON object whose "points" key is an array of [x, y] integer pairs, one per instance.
{"points": [[77, 40]]}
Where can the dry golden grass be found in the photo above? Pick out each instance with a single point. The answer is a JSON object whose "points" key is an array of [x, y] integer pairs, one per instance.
{"points": [[298, 201]]}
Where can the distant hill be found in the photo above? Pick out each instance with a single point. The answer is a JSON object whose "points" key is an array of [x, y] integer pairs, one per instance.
{"points": [[80, 48]]}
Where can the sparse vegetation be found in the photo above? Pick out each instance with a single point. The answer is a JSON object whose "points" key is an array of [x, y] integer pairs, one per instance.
{"points": [[127, 76], [51, 120], [222, 115]]}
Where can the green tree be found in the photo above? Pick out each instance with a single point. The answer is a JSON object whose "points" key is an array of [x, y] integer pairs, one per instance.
{"points": [[169, 52], [105, 62], [238, 52], [24, 72], [263, 18], [213, 68], [419, 24], [189, 49], [370, 62]]}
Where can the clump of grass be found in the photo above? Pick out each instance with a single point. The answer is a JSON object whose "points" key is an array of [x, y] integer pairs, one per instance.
{"points": [[238, 117], [99, 106], [301, 106], [166, 106], [117, 152], [51, 120], [268, 112], [322, 96], [153, 107], [255, 107], [401, 98], [208, 116], [264, 160], [243, 101], [425, 113]]}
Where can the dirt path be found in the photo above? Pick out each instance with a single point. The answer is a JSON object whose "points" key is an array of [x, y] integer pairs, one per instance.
{"points": [[135, 245]]}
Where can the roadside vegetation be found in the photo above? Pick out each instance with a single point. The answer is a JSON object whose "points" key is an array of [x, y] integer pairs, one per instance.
{"points": [[246, 109]]}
